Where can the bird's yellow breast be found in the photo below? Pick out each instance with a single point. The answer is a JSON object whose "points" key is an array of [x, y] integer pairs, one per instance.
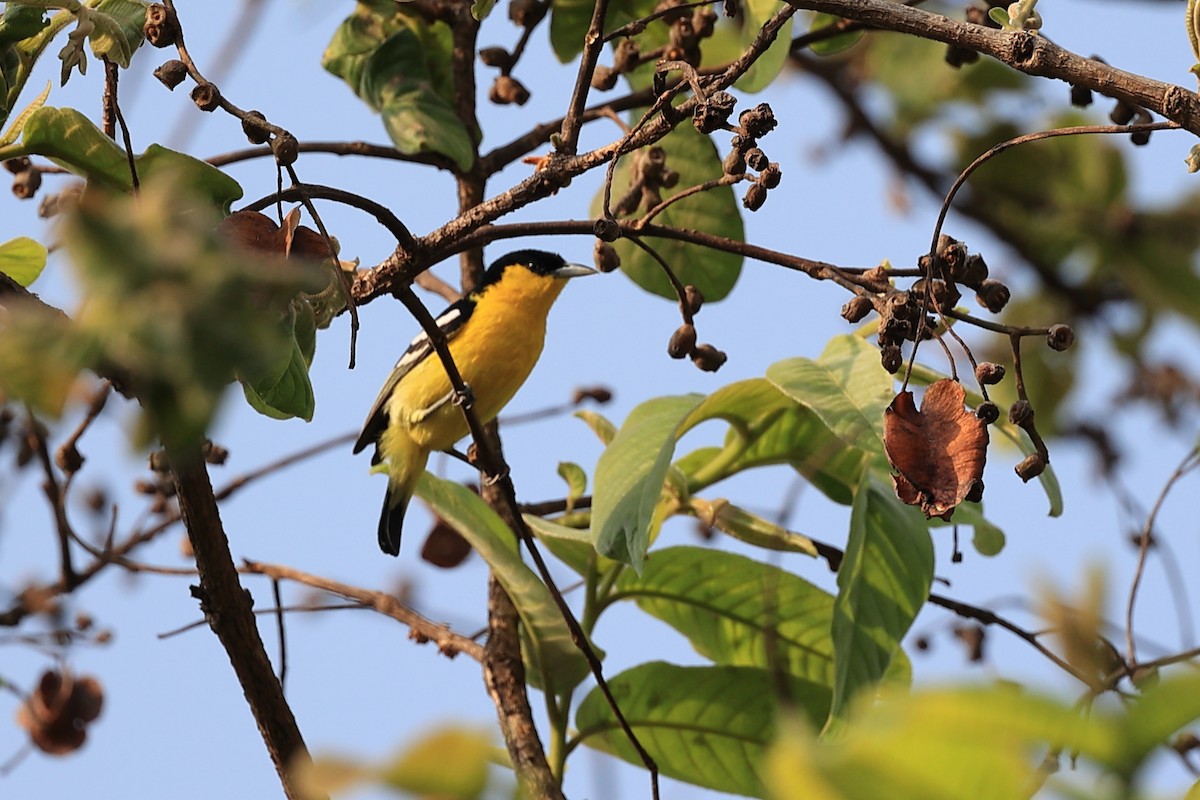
{"points": [[494, 351]]}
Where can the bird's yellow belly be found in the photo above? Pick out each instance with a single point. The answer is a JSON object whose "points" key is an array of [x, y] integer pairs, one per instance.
{"points": [[496, 368]]}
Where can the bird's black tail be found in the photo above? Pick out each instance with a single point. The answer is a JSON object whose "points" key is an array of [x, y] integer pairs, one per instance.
{"points": [[391, 523]]}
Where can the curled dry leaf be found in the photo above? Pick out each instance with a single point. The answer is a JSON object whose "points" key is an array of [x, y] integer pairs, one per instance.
{"points": [[445, 547], [58, 711], [938, 452], [252, 230]]}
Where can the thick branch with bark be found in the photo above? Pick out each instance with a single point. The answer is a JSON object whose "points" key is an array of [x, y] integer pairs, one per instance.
{"points": [[1026, 52], [229, 611]]}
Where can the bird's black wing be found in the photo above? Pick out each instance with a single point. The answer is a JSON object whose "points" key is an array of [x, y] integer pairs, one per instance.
{"points": [[450, 322]]}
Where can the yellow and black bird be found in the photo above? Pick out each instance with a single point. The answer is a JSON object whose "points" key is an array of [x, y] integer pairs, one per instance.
{"points": [[495, 336]]}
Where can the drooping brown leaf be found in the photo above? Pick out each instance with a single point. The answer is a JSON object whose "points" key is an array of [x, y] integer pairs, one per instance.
{"points": [[445, 547], [58, 711], [252, 230], [938, 452]]}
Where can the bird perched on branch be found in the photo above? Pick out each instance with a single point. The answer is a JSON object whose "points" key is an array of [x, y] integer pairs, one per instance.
{"points": [[495, 336]]}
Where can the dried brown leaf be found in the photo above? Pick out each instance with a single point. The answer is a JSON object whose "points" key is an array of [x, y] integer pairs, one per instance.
{"points": [[938, 452], [58, 711]]}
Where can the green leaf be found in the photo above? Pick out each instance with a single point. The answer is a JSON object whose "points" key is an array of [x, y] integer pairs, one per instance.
{"points": [[629, 477], [767, 427], [118, 32], [421, 122], [739, 612], [70, 139], [601, 425], [400, 64], [171, 307], [327, 775], [846, 387], [286, 395], [731, 38], [556, 664], [750, 528], [449, 763], [42, 357], [23, 259], [18, 124], [571, 545], [576, 480], [834, 44], [882, 584], [24, 34], [549, 529], [936, 745], [481, 8], [750, 407], [21, 22], [715, 212], [988, 539], [708, 726], [1155, 716], [202, 179], [570, 20]]}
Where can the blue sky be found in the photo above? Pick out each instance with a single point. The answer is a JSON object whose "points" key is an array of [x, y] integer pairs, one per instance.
{"points": [[175, 723]]}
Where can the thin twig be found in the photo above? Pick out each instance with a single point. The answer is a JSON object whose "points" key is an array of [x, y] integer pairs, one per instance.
{"points": [[233, 48], [351, 148], [95, 406], [995, 150], [593, 44], [423, 630], [279, 628], [58, 506], [432, 283], [300, 609], [342, 277], [382, 214], [1190, 461]]}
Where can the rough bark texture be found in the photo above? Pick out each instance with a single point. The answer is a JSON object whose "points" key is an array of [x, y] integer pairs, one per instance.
{"points": [[229, 610]]}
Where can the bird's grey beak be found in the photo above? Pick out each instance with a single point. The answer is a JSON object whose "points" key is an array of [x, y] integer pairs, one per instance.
{"points": [[573, 271]]}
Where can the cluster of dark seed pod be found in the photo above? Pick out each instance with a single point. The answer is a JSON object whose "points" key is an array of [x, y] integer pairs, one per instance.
{"points": [[27, 178], [957, 55], [626, 57], [1123, 112], [507, 90], [952, 266], [162, 30], [900, 320], [687, 27], [910, 315], [162, 26], [605, 257], [648, 176], [753, 124], [683, 340]]}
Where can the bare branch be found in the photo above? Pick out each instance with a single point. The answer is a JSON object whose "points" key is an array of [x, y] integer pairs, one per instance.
{"points": [[423, 630]]}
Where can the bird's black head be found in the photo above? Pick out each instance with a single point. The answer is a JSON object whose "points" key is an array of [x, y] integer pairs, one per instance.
{"points": [[539, 262]]}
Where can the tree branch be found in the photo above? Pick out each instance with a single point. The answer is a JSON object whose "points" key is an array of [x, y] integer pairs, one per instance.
{"points": [[422, 629], [1025, 52], [229, 610]]}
